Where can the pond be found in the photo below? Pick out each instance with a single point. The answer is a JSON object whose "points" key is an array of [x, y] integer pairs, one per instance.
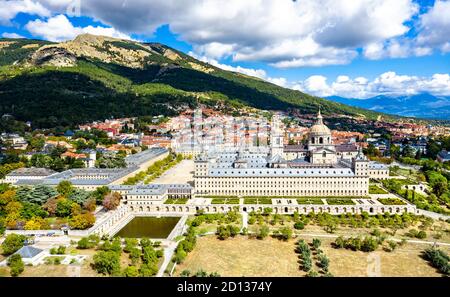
{"points": [[150, 227]]}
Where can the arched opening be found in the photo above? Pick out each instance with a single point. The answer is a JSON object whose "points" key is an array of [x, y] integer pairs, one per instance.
{"points": [[313, 140], [286, 209], [371, 210], [320, 140], [324, 154], [245, 209]]}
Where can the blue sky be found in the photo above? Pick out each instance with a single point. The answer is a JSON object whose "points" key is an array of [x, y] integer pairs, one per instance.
{"points": [[357, 48]]}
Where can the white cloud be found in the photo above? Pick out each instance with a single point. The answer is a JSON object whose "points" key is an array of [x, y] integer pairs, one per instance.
{"points": [[435, 26], [283, 33], [388, 83], [12, 35], [59, 28], [10, 9]]}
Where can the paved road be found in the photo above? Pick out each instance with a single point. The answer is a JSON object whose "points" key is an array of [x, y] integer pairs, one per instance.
{"points": [[244, 220], [172, 245], [168, 253], [433, 215]]}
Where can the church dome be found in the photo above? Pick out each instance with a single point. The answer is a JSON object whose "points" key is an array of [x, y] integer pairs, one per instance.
{"points": [[319, 127], [319, 130]]}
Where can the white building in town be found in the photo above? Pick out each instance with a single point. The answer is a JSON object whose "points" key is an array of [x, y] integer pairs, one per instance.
{"points": [[318, 169]]}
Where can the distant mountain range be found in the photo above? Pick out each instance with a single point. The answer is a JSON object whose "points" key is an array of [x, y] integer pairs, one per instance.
{"points": [[422, 105]]}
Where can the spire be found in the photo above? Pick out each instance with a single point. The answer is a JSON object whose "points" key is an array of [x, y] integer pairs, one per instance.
{"points": [[319, 118]]}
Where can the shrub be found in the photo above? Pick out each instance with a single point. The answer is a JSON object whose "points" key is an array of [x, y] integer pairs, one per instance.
{"points": [[16, 265], [438, 258], [421, 234], [263, 232], [285, 233], [299, 225], [316, 243]]}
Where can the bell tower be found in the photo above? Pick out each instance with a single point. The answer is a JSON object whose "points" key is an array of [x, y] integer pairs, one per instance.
{"points": [[276, 137]]}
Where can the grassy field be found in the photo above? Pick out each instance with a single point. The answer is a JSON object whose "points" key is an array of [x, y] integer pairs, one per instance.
{"points": [[242, 256], [374, 189]]}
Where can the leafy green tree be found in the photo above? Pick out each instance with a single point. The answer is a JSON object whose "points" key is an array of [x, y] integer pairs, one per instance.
{"points": [[79, 196], [65, 188], [107, 262], [131, 271], [12, 243], [100, 193], [16, 265], [64, 207], [148, 270], [135, 255], [30, 210]]}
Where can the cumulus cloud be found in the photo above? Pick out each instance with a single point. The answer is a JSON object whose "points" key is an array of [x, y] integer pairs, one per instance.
{"points": [[11, 35], [59, 28], [388, 83], [435, 26], [283, 33], [10, 9]]}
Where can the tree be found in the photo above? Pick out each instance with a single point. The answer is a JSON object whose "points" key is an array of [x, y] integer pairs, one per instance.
{"points": [[285, 233], [36, 223], [79, 196], [90, 204], [131, 271], [100, 193], [64, 207], [130, 243], [107, 262], [439, 188], [12, 243], [148, 270], [82, 221], [16, 265], [65, 188], [111, 201], [135, 255]]}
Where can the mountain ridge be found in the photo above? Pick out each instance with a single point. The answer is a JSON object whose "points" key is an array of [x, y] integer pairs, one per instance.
{"points": [[421, 105], [95, 77]]}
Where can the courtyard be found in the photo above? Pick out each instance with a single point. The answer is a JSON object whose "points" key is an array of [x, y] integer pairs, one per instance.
{"points": [[182, 173]]}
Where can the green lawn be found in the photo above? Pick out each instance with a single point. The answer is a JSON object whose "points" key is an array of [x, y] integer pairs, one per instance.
{"points": [[225, 201], [391, 201], [309, 201], [176, 201], [374, 189], [340, 201], [257, 201]]}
